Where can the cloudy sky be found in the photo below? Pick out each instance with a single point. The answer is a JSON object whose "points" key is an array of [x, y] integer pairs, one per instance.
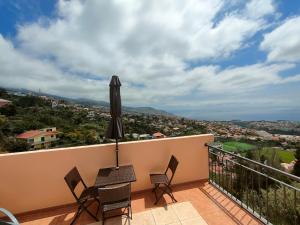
{"points": [[208, 59]]}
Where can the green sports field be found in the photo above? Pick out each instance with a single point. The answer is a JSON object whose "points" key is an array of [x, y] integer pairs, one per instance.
{"points": [[268, 152], [235, 146], [284, 156]]}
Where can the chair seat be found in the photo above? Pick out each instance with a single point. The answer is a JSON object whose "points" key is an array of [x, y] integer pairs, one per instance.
{"points": [[87, 194], [117, 205], [159, 179]]}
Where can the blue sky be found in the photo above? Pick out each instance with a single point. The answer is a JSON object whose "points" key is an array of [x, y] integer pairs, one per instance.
{"points": [[210, 59]]}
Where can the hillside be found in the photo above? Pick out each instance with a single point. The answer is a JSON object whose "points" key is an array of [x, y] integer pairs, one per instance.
{"points": [[79, 122], [89, 103]]}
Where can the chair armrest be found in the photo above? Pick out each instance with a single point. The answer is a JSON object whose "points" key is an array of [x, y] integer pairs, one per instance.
{"points": [[10, 216]]}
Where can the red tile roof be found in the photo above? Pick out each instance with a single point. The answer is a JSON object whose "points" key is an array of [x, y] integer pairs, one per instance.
{"points": [[34, 133], [4, 102], [30, 134], [158, 134]]}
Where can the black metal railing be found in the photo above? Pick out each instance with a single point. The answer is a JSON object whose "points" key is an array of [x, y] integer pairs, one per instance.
{"points": [[270, 194]]}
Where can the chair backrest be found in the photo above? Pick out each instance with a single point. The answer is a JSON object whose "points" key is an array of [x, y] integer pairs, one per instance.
{"points": [[72, 179], [116, 193], [173, 163], [13, 219]]}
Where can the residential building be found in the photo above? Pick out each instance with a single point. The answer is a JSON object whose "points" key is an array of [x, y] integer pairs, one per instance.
{"points": [[91, 115], [135, 135], [145, 136], [38, 139], [54, 104], [4, 102], [158, 135]]}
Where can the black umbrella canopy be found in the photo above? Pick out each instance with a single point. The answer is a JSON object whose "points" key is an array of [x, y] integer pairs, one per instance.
{"points": [[115, 97], [115, 129]]}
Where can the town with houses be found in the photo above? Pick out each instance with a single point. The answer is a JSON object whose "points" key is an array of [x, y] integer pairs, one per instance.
{"points": [[176, 126], [144, 126]]}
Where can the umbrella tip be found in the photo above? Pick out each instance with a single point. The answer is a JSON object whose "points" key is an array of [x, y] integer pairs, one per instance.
{"points": [[115, 81]]}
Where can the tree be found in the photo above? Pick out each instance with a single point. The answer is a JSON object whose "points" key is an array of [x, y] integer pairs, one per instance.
{"points": [[262, 158], [296, 170], [8, 110], [90, 138], [277, 205], [3, 93], [2, 120], [249, 154], [17, 146], [31, 101]]}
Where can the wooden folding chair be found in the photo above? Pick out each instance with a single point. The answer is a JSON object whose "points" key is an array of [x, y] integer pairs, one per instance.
{"points": [[11, 217], [72, 179], [115, 197], [162, 182]]}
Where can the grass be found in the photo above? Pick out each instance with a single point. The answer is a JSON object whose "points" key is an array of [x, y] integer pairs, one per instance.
{"points": [[284, 156], [235, 146], [268, 152]]}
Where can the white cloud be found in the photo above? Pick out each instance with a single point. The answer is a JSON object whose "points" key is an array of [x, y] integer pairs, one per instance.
{"points": [[245, 79], [283, 43], [146, 43], [259, 8], [91, 36], [21, 71]]}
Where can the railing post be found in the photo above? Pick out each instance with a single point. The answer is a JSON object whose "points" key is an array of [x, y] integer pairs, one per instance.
{"points": [[257, 193], [209, 164]]}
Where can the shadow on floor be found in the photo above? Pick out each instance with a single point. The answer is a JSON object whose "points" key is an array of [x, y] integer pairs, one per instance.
{"points": [[60, 215], [234, 211]]}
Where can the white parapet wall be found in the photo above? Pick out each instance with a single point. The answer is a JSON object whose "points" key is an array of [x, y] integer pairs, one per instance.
{"points": [[35, 180]]}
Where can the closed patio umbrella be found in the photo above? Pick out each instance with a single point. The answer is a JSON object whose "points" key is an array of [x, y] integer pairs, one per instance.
{"points": [[115, 129]]}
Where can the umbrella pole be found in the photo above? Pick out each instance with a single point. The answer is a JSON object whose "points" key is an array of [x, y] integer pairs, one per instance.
{"points": [[117, 153]]}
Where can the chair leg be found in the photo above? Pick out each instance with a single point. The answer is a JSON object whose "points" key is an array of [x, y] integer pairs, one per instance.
{"points": [[97, 200], [155, 186], [91, 214], [172, 196], [98, 206], [79, 211], [169, 191], [128, 214], [154, 190], [158, 198], [103, 218]]}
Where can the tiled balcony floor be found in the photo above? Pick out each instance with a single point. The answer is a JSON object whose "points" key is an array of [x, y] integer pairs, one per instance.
{"points": [[214, 207], [182, 213]]}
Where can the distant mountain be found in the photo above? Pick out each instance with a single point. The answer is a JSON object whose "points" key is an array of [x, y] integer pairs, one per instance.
{"points": [[147, 110], [126, 109], [90, 103]]}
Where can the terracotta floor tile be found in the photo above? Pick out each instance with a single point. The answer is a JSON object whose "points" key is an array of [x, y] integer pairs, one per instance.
{"points": [[184, 210], [164, 215], [194, 221], [143, 218], [214, 207]]}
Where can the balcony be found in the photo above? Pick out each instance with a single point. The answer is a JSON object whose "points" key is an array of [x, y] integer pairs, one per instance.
{"points": [[32, 185], [44, 142]]}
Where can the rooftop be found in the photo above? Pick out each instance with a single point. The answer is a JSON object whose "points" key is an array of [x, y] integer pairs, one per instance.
{"points": [[34, 133], [4, 102]]}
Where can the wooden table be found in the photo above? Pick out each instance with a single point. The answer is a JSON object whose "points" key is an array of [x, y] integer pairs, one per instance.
{"points": [[111, 176]]}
